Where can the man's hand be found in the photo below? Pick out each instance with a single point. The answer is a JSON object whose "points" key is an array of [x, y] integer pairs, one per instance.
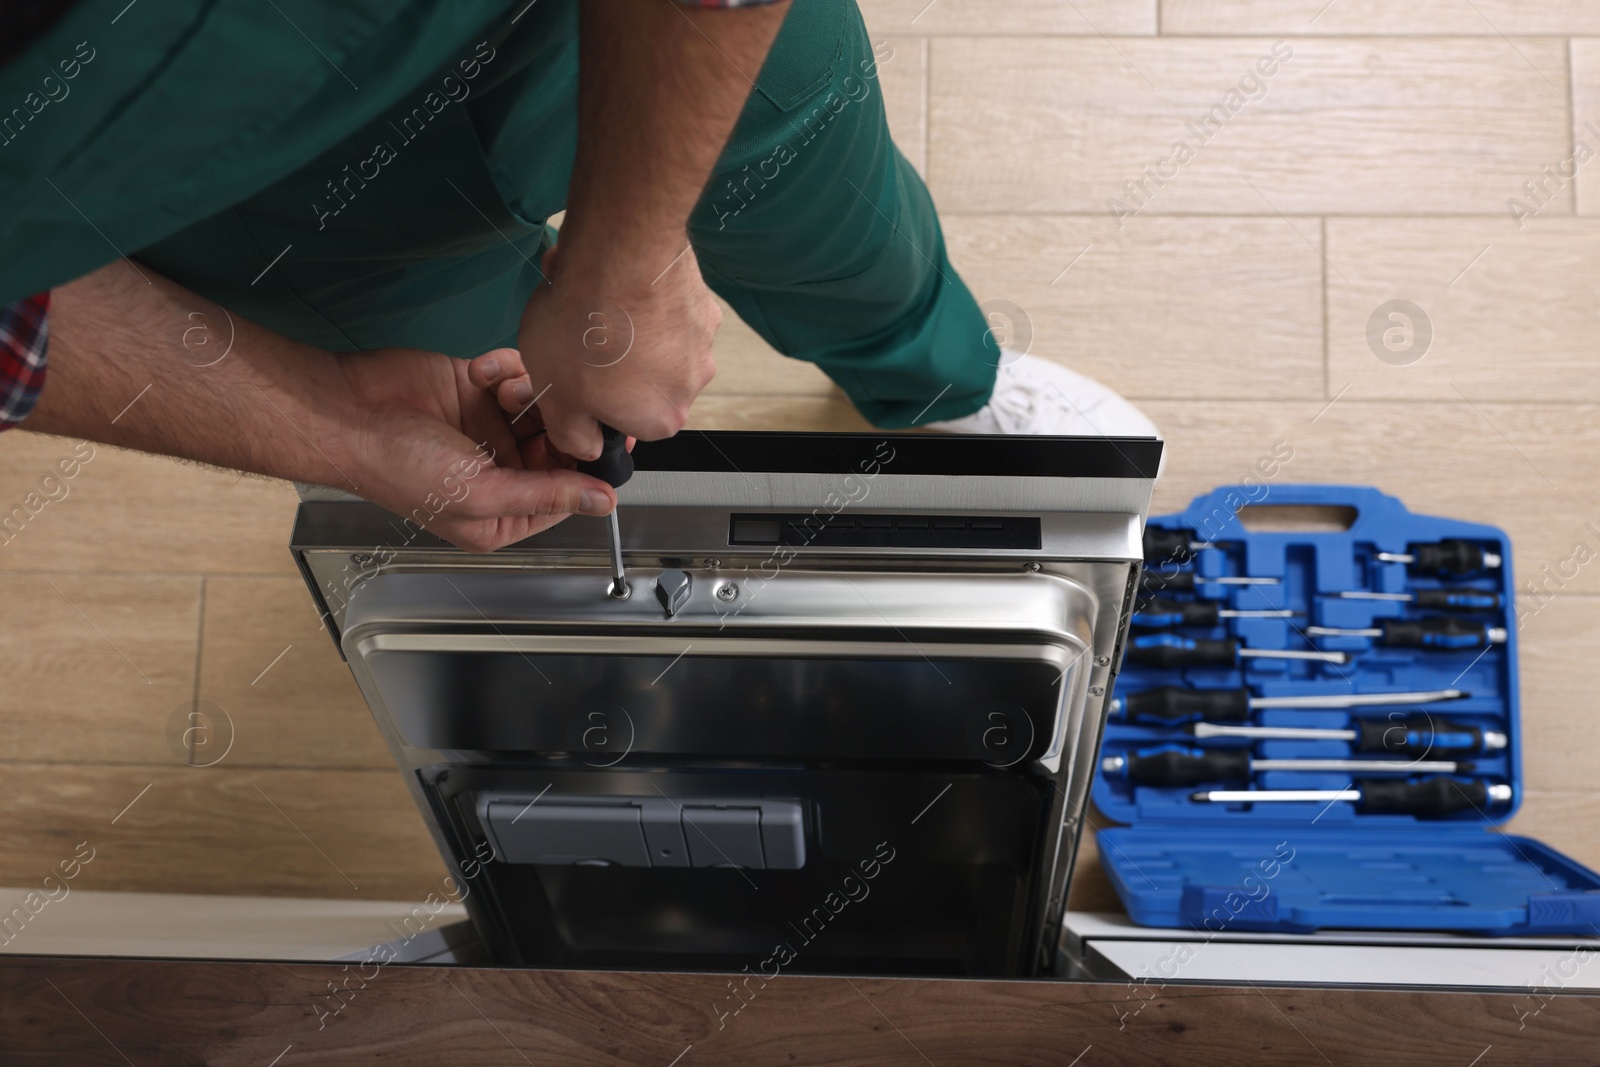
{"points": [[601, 344], [434, 444], [660, 86], [150, 365]]}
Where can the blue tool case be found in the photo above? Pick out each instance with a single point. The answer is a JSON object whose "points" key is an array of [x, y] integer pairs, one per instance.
{"points": [[1430, 647]]}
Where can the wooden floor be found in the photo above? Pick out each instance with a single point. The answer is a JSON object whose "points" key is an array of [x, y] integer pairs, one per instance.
{"points": [[1374, 164]]}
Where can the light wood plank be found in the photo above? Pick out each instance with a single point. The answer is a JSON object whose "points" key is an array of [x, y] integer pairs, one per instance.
{"points": [[1512, 312], [831, 412], [1564, 820], [1166, 308], [1488, 18], [1559, 633], [1381, 125], [1439, 458], [268, 663], [132, 512], [1585, 54], [95, 666], [345, 834], [971, 18]]}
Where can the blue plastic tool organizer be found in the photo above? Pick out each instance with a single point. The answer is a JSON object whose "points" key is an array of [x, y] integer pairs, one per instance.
{"points": [[1302, 866]]}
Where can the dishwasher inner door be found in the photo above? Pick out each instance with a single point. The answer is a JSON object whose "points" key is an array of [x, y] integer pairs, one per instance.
{"points": [[812, 740]]}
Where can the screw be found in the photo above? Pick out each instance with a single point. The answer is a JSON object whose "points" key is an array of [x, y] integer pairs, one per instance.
{"points": [[727, 591], [1097, 691], [361, 559], [1102, 661], [713, 563], [1031, 568]]}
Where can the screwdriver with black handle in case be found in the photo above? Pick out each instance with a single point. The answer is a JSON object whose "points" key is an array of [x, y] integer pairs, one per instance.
{"points": [[1415, 735], [1174, 769], [1176, 703], [1172, 651], [1443, 599], [1162, 543], [1431, 798], [1158, 612], [1440, 633], [1186, 581], [1450, 556]]}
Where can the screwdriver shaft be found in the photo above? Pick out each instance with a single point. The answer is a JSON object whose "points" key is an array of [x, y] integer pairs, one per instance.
{"points": [[1497, 793], [1356, 766], [1117, 764], [1251, 796], [1357, 700], [619, 580], [1289, 653]]}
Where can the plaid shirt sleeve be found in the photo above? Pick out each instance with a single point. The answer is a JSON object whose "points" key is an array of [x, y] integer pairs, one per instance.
{"points": [[24, 336]]}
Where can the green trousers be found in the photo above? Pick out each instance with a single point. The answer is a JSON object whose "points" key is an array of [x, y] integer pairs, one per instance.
{"points": [[378, 173]]}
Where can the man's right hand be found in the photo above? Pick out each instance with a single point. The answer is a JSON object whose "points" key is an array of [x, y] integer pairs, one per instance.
{"points": [[626, 344]]}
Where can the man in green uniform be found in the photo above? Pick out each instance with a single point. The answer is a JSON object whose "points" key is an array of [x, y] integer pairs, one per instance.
{"points": [[309, 239]]}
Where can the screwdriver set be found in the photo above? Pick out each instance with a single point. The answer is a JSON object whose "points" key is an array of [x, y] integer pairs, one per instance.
{"points": [[1318, 727]]}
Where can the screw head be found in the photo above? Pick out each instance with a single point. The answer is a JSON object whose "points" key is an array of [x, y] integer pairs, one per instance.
{"points": [[727, 591], [1097, 691], [713, 562], [1031, 568], [1102, 661], [361, 559]]}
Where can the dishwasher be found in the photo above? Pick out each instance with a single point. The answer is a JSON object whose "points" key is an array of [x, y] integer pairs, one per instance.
{"points": [[843, 722]]}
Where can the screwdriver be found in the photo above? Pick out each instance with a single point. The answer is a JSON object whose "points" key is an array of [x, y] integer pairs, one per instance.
{"points": [[1169, 650], [1161, 611], [1450, 556], [1175, 702], [1173, 768], [614, 467], [1418, 735], [1431, 798], [1185, 582], [1440, 633], [1445, 599], [1162, 543]]}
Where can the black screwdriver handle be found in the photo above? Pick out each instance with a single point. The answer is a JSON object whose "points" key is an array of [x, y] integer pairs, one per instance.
{"points": [[1162, 543], [1431, 798], [615, 465], [1174, 703], [1155, 612], [1418, 736], [1176, 582], [1168, 650], [1174, 769], [1451, 556], [1439, 633], [1456, 599]]}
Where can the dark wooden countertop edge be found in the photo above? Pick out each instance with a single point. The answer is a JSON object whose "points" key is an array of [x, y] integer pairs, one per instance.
{"points": [[88, 1011]]}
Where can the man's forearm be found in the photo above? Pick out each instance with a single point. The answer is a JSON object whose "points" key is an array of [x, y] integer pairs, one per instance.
{"points": [[152, 366], [660, 88]]}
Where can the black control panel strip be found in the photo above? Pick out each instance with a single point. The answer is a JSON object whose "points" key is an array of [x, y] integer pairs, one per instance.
{"points": [[885, 531], [751, 452]]}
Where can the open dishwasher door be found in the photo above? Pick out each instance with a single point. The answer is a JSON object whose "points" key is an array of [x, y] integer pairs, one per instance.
{"points": [[845, 722]]}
